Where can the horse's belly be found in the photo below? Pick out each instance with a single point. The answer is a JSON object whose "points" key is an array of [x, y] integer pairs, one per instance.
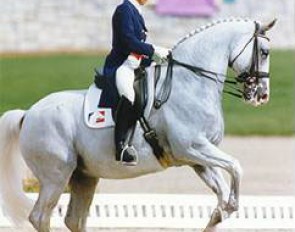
{"points": [[97, 151]]}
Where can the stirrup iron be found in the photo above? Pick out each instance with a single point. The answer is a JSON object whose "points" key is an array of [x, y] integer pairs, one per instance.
{"points": [[130, 150]]}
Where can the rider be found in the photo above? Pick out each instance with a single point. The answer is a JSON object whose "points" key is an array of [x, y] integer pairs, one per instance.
{"points": [[129, 51]]}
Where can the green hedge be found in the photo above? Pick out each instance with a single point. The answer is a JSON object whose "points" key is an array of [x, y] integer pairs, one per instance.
{"points": [[24, 80]]}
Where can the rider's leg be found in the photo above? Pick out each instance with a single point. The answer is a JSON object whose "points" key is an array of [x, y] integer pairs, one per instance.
{"points": [[126, 115], [125, 119]]}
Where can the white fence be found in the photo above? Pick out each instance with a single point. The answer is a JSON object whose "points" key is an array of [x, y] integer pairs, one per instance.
{"points": [[178, 211]]}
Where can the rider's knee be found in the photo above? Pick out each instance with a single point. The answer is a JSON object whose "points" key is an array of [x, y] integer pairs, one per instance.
{"points": [[124, 82], [124, 72]]}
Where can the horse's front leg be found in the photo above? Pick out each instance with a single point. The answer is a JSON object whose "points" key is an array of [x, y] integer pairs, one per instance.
{"points": [[202, 152], [214, 179]]}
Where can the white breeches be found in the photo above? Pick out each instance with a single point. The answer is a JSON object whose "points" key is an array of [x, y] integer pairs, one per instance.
{"points": [[125, 77]]}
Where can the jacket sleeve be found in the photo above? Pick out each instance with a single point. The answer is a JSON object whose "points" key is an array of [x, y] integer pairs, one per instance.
{"points": [[128, 36]]}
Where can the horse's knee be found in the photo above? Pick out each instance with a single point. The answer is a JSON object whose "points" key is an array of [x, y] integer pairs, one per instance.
{"points": [[236, 169]]}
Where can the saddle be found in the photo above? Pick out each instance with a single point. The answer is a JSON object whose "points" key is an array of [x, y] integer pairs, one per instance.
{"points": [[110, 97], [102, 99]]}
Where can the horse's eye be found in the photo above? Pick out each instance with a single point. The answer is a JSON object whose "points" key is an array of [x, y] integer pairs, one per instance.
{"points": [[264, 53]]}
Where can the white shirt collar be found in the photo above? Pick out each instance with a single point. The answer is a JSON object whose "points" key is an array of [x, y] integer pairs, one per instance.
{"points": [[136, 4]]}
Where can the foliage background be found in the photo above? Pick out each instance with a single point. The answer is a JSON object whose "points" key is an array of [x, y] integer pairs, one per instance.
{"points": [[26, 79]]}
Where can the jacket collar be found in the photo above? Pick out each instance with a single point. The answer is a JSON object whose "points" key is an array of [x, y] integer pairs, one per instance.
{"points": [[136, 5]]}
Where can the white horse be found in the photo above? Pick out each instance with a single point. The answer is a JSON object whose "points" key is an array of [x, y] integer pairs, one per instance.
{"points": [[60, 149]]}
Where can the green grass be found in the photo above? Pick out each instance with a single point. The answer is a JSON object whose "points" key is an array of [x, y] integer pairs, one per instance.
{"points": [[24, 80], [275, 118]]}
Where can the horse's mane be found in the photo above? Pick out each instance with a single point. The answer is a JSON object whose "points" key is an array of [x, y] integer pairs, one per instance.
{"points": [[209, 25]]}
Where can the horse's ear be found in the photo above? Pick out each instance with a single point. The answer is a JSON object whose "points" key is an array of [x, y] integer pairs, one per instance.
{"points": [[267, 27]]}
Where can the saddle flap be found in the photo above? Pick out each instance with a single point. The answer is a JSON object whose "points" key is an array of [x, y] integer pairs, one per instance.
{"points": [[144, 87], [140, 88]]}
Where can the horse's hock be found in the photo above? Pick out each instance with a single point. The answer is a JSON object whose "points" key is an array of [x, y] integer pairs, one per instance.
{"points": [[85, 25]]}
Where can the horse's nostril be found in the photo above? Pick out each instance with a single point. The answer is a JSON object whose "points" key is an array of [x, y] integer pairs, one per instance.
{"points": [[264, 97]]}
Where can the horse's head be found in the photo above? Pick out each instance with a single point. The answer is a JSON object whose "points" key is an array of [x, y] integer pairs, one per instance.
{"points": [[250, 60]]}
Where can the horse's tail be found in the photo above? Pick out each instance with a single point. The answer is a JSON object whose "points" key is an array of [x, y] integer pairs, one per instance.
{"points": [[13, 201]]}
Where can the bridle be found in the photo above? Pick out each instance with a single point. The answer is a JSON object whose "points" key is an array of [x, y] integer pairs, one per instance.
{"points": [[248, 78]]}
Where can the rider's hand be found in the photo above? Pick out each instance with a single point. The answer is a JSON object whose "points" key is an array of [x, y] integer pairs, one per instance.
{"points": [[160, 55]]}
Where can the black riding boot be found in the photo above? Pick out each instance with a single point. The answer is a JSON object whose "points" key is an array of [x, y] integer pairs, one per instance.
{"points": [[125, 119]]}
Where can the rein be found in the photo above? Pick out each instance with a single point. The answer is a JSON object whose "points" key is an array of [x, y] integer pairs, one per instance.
{"points": [[247, 77]]}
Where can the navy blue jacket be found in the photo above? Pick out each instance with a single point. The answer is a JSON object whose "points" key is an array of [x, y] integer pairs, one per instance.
{"points": [[129, 35]]}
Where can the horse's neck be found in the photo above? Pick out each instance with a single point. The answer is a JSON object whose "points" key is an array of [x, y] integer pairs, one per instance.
{"points": [[194, 105], [202, 51], [212, 47], [209, 51]]}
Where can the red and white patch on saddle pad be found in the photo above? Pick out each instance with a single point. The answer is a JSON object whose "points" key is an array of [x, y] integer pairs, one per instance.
{"points": [[94, 116]]}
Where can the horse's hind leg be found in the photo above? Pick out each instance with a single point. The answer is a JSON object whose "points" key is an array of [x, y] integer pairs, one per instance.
{"points": [[53, 177], [82, 190]]}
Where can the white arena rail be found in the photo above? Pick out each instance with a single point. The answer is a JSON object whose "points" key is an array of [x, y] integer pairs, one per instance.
{"points": [[178, 211]]}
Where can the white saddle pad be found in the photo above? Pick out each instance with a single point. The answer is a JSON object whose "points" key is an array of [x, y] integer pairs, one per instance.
{"points": [[94, 116]]}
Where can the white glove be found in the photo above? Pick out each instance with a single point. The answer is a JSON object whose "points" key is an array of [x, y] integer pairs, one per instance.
{"points": [[160, 54]]}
